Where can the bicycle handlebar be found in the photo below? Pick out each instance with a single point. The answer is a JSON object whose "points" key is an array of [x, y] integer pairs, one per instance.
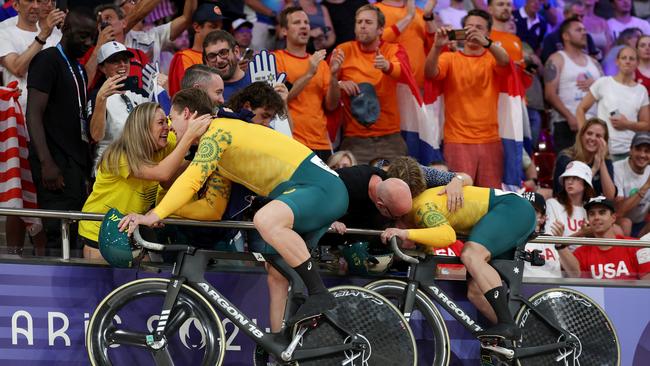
{"points": [[147, 244], [398, 252]]}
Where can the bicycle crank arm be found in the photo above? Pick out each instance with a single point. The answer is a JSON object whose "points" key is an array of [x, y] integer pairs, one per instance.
{"points": [[288, 353], [306, 354], [538, 350], [506, 352]]}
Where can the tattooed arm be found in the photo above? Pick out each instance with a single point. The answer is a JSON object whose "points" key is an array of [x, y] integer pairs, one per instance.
{"points": [[201, 170], [435, 229], [552, 71]]}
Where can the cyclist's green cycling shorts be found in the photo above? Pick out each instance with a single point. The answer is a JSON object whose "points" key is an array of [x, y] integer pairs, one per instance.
{"points": [[508, 223], [317, 197]]}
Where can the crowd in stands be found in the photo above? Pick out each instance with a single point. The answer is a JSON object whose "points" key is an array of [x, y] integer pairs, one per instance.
{"points": [[86, 106]]}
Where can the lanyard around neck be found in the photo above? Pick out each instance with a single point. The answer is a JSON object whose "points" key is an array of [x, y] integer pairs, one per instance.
{"points": [[74, 77]]}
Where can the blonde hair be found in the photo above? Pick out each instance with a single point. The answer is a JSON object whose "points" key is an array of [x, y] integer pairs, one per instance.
{"points": [[577, 151], [408, 169], [336, 158], [136, 143]]}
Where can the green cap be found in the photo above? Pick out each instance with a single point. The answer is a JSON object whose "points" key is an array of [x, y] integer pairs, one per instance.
{"points": [[114, 245]]}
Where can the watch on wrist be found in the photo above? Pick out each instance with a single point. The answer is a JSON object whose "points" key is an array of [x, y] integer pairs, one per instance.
{"points": [[428, 18], [40, 41], [489, 42], [460, 177]]}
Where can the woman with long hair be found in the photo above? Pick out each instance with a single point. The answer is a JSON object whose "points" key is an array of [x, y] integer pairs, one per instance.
{"points": [[590, 148], [643, 70], [133, 165], [622, 104], [565, 213]]}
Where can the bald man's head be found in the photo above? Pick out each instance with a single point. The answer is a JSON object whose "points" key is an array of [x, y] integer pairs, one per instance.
{"points": [[393, 198]]}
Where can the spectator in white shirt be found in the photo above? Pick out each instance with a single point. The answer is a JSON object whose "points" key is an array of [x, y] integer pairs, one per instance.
{"points": [[21, 42], [632, 177], [623, 19], [622, 103], [566, 214], [454, 14]]}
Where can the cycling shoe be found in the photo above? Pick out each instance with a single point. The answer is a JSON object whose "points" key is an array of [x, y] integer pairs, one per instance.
{"points": [[314, 305]]}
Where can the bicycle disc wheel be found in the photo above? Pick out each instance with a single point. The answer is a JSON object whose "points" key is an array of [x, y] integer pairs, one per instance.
{"points": [[387, 335], [578, 314], [426, 322], [119, 326]]}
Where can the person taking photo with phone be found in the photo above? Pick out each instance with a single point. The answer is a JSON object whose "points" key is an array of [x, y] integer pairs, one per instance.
{"points": [[469, 79], [113, 98]]}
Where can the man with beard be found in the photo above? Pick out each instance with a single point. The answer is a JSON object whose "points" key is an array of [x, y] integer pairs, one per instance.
{"points": [[568, 74], [553, 41], [501, 11], [59, 152], [314, 82], [220, 51], [371, 68]]}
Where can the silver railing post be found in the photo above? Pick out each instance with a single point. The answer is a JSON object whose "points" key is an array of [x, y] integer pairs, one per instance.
{"points": [[65, 239]]}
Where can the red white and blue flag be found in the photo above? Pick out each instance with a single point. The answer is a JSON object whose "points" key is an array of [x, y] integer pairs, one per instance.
{"points": [[514, 127], [17, 189]]}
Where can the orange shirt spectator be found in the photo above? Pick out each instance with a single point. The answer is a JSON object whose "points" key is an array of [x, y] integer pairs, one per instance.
{"points": [[414, 38], [310, 123], [466, 100], [511, 43], [181, 61], [358, 67]]}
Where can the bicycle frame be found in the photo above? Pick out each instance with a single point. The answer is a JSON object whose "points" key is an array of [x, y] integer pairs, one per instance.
{"points": [[189, 269], [421, 276]]}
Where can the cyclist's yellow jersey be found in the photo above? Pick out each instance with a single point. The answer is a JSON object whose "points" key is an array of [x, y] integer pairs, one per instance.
{"points": [[437, 227], [254, 156]]}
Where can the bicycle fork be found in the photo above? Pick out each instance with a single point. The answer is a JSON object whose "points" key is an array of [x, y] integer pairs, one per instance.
{"points": [[157, 340]]}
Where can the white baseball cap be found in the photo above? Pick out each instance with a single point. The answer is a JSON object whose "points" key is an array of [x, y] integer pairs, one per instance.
{"points": [[111, 48], [241, 22], [577, 169]]}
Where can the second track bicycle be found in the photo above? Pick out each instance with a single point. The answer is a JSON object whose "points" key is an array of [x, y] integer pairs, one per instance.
{"points": [[364, 328]]}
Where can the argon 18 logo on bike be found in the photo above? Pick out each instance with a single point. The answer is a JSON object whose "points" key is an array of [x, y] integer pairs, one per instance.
{"points": [[453, 307], [230, 309]]}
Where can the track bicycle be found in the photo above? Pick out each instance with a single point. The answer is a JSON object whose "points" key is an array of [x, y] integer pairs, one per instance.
{"points": [[363, 329], [559, 326]]}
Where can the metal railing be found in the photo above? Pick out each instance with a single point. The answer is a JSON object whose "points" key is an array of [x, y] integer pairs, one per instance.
{"points": [[68, 217]]}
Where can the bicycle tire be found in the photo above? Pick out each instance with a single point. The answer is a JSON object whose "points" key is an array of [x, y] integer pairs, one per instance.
{"points": [[440, 343], [578, 314], [201, 315], [390, 339]]}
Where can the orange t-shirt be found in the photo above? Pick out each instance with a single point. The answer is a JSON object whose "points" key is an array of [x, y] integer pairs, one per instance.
{"points": [[358, 66], [511, 43], [181, 61], [471, 97], [415, 39], [309, 121]]}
